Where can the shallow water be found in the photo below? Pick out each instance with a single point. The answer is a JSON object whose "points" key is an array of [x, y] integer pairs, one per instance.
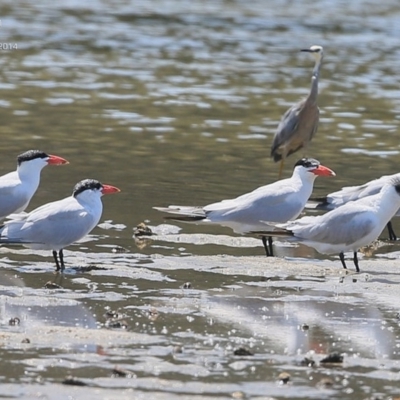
{"points": [[176, 102]]}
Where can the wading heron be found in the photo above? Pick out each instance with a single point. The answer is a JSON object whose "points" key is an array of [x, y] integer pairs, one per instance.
{"points": [[300, 122]]}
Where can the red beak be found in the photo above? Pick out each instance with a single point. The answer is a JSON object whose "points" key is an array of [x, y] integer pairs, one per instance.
{"points": [[323, 171], [108, 189], [55, 160]]}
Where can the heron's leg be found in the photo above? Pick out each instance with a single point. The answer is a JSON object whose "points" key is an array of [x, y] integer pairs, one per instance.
{"points": [[341, 256], [355, 259], [281, 167], [56, 260], [61, 255], [267, 246], [392, 234]]}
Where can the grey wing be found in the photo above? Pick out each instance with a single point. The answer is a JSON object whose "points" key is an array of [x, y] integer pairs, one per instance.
{"points": [[287, 126], [334, 227], [13, 198], [53, 224], [275, 202], [346, 194], [71, 226], [350, 193]]}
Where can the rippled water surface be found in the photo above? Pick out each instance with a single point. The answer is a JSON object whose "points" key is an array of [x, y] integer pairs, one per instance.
{"points": [[176, 102]]}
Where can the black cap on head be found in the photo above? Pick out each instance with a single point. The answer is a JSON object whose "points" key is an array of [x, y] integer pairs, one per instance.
{"points": [[86, 184], [31, 155], [308, 163]]}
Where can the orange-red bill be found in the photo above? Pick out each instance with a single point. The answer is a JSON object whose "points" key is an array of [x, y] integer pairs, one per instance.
{"points": [[108, 189], [55, 160], [323, 171]]}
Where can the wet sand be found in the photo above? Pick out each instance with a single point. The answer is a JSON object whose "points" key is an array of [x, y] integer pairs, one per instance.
{"points": [[301, 309]]}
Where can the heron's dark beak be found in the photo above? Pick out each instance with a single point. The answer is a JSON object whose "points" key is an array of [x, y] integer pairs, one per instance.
{"points": [[307, 50]]}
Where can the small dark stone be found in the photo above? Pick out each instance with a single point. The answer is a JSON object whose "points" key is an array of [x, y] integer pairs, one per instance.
{"points": [[333, 358], [116, 324], [307, 362], [69, 380], [186, 285], [142, 230], [111, 314], [284, 377], [117, 371], [242, 351], [26, 340], [14, 321], [119, 249], [304, 327], [52, 285]]}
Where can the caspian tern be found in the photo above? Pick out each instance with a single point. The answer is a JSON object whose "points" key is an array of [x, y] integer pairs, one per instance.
{"points": [[56, 225], [351, 193], [347, 228], [18, 187], [280, 201]]}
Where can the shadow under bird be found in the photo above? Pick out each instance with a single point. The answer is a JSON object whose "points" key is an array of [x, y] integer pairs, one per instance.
{"points": [[18, 187], [350, 193], [300, 122], [348, 228], [280, 201], [58, 224]]}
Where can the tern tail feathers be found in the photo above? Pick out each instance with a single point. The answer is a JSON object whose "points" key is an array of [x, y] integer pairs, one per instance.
{"points": [[277, 232], [319, 203], [7, 240], [186, 218], [322, 199], [15, 241], [183, 213]]}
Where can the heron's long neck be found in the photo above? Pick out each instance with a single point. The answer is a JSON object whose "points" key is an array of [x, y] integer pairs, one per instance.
{"points": [[314, 81]]}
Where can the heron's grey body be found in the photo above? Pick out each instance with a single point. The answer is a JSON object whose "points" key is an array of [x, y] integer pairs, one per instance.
{"points": [[300, 122]]}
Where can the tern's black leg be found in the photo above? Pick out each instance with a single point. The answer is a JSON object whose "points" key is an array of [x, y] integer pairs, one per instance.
{"points": [[341, 256], [61, 256], [355, 259], [59, 265], [267, 242], [270, 246], [392, 234], [56, 260]]}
